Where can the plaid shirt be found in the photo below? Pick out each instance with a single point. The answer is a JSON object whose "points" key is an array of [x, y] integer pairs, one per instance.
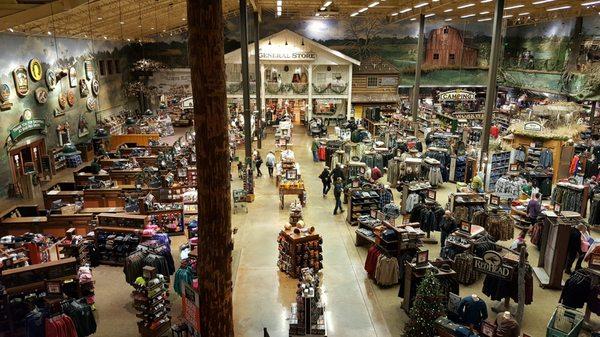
{"points": [[386, 198]]}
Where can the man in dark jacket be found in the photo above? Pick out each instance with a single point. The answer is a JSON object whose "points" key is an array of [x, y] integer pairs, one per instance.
{"points": [[338, 189], [337, 173], [325, 177], [447, 226]]}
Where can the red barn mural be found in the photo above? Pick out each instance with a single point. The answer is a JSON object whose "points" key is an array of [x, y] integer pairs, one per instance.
{"points": [[446, 47]]}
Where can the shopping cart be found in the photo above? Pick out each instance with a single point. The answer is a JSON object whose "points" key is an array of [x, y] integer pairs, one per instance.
{"points": [[565, 322], [240, 200]]}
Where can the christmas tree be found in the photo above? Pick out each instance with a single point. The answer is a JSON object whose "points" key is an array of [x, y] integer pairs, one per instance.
{"points": [[427, 307]]}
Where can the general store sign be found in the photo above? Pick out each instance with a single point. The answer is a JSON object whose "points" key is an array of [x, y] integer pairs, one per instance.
{"points": [[492, 263], [26, 126], [456, 95], [285, 55]]}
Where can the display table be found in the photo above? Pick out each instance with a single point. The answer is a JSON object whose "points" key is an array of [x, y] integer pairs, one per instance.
{"points": [[297, 251], [297, 189]]}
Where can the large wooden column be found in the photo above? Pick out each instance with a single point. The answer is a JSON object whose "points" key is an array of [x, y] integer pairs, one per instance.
{"points": [[491, 93], [205, 45], [258, 77], [414, 106], [246, 82]]}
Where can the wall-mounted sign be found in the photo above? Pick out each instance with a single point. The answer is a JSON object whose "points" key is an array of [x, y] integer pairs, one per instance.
{"points": [[35, 70], [41, 95], [83, 88], [50, 79], [91, 103], [492, 263], [288, 55], [95, 87], [456, 95], [26, 126], [71, 97], [533, 126], [89, 69], [21, 81], [72, 77], [62, 100], [4, 97]]}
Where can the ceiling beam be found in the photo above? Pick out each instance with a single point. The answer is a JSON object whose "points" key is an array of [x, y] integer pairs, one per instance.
{"points": [[39, 12]]}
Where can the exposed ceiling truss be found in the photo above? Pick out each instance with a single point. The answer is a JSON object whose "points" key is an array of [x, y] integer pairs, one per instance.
{"points": [[147, 19]]}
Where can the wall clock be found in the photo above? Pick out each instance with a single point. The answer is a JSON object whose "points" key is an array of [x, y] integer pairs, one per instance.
{"points": [[95, 87], [35, 70], [50, 79], [72, 77], [41, 95], [21, 81], [70, 97], [62, 100], [83, 88]]}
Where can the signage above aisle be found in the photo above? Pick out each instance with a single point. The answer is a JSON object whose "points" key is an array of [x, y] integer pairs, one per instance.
{"points": [[456, 95]]}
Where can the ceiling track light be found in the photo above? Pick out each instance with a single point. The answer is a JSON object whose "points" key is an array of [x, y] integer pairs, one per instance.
{"points": [[558, 8], [541, 2], [354, 14], [422, 4], [405, 10], [513, 7], [371, 5], [591, 3], [465, 6]]}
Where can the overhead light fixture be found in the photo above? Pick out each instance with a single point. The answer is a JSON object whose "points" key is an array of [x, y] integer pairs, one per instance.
{"points": [[394, 14], [539, 2], [322, 8], [523, 14], [485, 19], [558, 8], [354, 14], [303, 41], [405, 10], [152, 28], [484, 13], [421, 4], [363, 9], [448, 19], [465, 6], [128, 40], [286, 42], [327, 4], [105, 38], [269, 42], [371, 5], [99, 18], [413, 19], [122, 22], [485, 1], [590, 3], [429, 15], [513, 7], [49, 33], [183, 19], [317, 14], [507, 16], [11, 30], [466, 16], [448, 10]]}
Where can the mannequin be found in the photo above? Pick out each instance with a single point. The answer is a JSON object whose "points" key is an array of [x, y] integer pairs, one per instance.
{"points": [[472, 310], [507, 326]]}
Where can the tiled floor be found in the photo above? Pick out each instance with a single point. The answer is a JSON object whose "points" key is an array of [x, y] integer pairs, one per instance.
{"points": [[262, 295]]}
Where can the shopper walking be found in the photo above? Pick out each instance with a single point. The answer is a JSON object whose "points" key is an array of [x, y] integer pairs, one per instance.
{"points": [[315, 150], [337, 173], [325, 177], [270, 163], [338, 189], [447, 226], [258, 162]]}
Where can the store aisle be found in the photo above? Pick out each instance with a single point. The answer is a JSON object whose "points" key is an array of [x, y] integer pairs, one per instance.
{"points": [[262, 294]]}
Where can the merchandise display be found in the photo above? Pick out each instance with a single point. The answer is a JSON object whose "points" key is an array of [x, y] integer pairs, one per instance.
{"points": [[444, 151]]}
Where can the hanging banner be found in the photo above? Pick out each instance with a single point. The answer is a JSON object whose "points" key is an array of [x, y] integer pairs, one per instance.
{"points": [[26, 126], [456, 95]]}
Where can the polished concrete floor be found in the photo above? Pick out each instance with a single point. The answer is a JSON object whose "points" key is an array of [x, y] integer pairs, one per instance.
{"points": [[355, 306]]}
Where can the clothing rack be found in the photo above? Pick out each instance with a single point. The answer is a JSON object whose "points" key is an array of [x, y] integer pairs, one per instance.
{"points": [[411, 188], [578, 205]]}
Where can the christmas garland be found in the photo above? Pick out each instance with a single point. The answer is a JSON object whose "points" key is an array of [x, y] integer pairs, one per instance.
{"points": [[299, 88], [320, 89], [272, 88], [338, 89], [234, 87]]}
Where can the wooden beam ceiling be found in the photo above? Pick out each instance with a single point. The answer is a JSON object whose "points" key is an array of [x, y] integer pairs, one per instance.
{"points": [[146, 19]]}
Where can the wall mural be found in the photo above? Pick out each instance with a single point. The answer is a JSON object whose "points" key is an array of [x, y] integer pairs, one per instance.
{"points": [[36, 76]]}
